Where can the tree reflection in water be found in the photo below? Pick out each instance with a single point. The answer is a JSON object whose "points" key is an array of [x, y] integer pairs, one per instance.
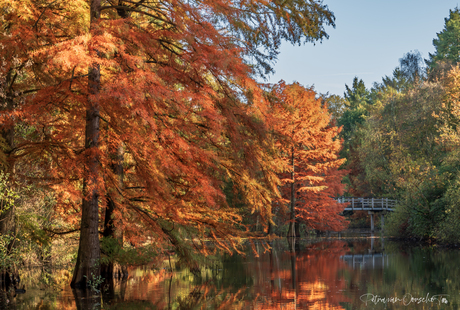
{"points": [[303, 277], [283, 277], [331, 274]]}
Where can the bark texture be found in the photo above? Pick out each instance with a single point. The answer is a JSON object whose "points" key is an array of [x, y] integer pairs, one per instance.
{"points": [[88, 259]]}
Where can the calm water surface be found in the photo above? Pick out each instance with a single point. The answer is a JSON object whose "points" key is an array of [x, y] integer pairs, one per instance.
{"points": [[330, 273]]}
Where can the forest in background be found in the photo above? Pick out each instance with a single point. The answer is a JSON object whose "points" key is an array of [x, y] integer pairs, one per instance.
{"points": [[401, 140]]}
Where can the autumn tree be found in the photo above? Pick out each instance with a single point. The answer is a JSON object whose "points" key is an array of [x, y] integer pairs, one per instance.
{"points": [[405, 144], [21, 76], [336, 106], [170, 83], [404, 154], [425, 165], [360, 103], [309, 147]]}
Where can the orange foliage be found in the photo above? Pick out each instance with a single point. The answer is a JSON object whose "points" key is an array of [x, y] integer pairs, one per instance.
{"points": [[174, 92], [309, 143]]}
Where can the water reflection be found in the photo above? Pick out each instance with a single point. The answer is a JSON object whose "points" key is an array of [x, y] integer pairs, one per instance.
{"points": [[365, 257], [305, 277], [366, 261], [365, 273]]}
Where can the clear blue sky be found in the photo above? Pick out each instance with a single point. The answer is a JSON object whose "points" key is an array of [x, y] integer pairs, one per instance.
{"points": [[369, 39]]}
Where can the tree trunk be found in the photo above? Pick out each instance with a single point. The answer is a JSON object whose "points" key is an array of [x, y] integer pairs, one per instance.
{"points": [[110, 230], [297, 228], [270, 228], [291, 232], [7, 216], [88, 259], [107, 268], [7, 225]]}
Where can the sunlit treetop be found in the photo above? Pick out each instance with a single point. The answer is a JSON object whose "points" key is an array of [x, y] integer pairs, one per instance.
{"points": [[447, 43], [258, 26]]}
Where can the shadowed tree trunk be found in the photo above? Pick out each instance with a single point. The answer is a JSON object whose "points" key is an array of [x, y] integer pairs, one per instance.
{"points": [[7, 213], [88, 259], [7, 224], [270, 228], [7, 135], [110, 230], [297, 227], [291, 232]]}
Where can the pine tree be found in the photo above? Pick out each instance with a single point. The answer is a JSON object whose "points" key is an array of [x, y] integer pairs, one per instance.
{"points": [[447, 43]]}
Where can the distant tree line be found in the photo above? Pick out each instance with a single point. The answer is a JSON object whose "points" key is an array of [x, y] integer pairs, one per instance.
{"points": [[402, 139]]}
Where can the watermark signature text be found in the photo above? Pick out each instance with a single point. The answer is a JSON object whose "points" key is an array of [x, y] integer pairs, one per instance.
{"points": [[406, 300]]}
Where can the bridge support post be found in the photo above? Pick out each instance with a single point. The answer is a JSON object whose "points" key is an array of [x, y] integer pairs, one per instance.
{"points": [[371, 213], [382, 219]]}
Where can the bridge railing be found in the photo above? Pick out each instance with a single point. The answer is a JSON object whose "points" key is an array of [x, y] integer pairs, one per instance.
{"points": [[367, 261], [377, 204]]}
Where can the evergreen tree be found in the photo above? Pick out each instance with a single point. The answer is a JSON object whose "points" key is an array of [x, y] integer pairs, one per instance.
{"points": [[447, 43], [357, 98]]}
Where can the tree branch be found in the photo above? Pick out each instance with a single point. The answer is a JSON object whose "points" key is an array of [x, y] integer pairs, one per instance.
{"points": [[60, 233]]}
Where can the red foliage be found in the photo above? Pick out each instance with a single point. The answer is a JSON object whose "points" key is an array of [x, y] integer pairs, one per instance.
{"points": [[176, 95], [309, 147], [168, 82]]}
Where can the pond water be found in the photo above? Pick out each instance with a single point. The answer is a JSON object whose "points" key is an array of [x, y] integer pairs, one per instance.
{"points": [[329, 273]]}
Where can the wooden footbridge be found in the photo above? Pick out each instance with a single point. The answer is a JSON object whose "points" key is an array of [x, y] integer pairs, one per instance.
{"points": [[368, 204], [372, 205]]}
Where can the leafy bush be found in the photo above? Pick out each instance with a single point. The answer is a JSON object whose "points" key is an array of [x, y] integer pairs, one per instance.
{"points": [[114, 252], [9, 256]]}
